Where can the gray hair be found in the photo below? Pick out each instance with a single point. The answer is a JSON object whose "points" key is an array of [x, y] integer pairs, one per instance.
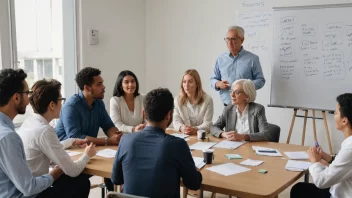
{"points": [[248, 88], [238, 29]]}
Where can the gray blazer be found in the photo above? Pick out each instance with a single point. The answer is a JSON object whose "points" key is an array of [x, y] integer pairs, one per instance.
{"points": [[258, 125]]}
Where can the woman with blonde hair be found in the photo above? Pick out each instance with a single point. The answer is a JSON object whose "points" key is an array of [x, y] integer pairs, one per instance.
{"points": [[244, 119], [193, 107]]}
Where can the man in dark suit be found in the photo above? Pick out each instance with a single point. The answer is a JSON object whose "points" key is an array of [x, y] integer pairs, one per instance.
{"points": [[150, 163]]}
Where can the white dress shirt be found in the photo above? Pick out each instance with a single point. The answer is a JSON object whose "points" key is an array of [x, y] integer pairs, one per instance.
{"points": [[242, 124], [199, 116], [122, 117], [338, 175], [41, 146]]}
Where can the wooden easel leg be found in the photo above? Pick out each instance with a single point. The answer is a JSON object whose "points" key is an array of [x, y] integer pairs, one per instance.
{"points": [[327, 132], [304, 126], [314, 127], [291, 128], [185, 192]]}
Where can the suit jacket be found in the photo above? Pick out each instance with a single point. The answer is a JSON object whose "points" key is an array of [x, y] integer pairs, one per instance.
{"points": [[258, 125], [150, 163]]}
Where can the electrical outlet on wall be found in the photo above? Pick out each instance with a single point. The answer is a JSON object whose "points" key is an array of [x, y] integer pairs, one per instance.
{"points": [[93, 37]]}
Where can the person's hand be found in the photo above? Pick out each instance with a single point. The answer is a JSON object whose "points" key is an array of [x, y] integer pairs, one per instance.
{"points": [[56, 172], [80, 142], [314, 155], [188, 130], [90, 150], [224, 84], [237, 137], [115, 139], [139, 127], [228, 135]]}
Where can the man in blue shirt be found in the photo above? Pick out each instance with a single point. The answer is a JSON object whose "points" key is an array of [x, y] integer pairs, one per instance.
{"points": [[234, 65], [150, 163], [16, 179], [85, 112]]}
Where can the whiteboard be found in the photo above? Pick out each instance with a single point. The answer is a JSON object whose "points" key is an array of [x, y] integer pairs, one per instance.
{"points": [[312, 56]]}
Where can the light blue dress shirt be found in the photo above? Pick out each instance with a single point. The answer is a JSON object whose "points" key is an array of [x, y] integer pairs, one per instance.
{"points": [[245, 65], [16, 179]]}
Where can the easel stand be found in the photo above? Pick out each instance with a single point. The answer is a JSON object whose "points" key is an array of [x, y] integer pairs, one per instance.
{"points": [[314, 126]]}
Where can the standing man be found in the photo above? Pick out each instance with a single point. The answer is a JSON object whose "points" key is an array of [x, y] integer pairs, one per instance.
{"points": [[84, 113], [234, 65], [151, 163], [16, 179]]}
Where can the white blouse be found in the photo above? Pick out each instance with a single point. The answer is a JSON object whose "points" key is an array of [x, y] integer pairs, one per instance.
{"points": [[123, 118], [199, 116], [242, 124], [41, 145]]}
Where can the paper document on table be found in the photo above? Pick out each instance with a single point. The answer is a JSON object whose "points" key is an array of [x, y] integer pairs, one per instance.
{"points": [[297, 155], [202, 145], [229, 144], [180, 135], [199, 162], [266, 151], [107, 153], [73, 153], [228, 169], [295, 165], [249, 162]]}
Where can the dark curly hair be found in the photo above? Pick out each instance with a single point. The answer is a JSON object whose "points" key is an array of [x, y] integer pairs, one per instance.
{"points": [[118, 91], [86, 76], [345, 102], [44, 92], [11, 82], [157, 103]]}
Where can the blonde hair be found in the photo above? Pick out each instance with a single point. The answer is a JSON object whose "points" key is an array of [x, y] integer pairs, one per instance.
{"points": [[199, 90], [248, 89]]}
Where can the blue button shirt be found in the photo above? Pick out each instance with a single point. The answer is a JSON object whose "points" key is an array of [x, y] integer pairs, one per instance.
{"points": [[245, 65], [150, 163], [78, 120], [16, 179]]}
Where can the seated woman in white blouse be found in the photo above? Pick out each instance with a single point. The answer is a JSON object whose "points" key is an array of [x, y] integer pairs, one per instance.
{"points": [[126, 105], [42, 146], [244, 119], [333, 180], [193, 107]]}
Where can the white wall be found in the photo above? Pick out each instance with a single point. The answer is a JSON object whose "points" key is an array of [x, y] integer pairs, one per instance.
{"points": [[121, 26], [5, 40], [187, 34]]}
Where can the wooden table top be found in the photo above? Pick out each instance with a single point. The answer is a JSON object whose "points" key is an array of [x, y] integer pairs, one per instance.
{"points": [[247, 184]]}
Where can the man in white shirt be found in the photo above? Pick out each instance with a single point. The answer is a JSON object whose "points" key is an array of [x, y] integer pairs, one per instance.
{"points": [[334, 180], [42, 146]]}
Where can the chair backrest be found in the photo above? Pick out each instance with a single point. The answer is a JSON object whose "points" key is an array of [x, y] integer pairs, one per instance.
{"points": [[121, 195], [273, 133]]}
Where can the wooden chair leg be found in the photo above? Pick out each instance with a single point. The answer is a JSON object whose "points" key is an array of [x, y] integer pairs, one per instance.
{"points": [[213, 195]]}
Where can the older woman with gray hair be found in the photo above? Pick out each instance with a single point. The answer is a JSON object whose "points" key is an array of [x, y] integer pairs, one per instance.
{"points": [[244, 119]]}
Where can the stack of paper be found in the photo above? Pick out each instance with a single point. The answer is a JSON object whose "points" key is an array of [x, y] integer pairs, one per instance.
{"points": [[229, 144], [180, 135], [199, 162], [73, 153], [297, 155], [202, 145], [228, 169], [107, 153], [250, 162], [266, 151], [233, 156], [294, 165]]}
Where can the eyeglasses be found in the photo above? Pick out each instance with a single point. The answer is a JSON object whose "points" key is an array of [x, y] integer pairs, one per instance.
{"points": [[62, 99], [236, 92], [26, 92], [232, 39]]}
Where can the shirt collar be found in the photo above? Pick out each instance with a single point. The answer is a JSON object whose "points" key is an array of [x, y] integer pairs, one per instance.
{"points": [[239, 53], [7, 120], [40, 118], [244, 111], [347, 141], [151, 128], [84, 101]]}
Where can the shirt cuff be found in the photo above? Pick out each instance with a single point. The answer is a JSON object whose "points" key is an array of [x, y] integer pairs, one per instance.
{"points": [[67, 143], [51, 179]]}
